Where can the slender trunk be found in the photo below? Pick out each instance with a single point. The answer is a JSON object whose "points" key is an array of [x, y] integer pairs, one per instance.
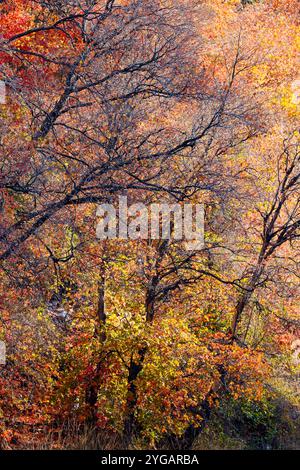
{"points": [[135, 368], [93, 388], [136, 365], [150, 299], [101, 311], [245, 298]]}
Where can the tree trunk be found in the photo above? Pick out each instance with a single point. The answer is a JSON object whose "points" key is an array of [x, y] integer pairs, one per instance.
{"points": [[93, 388], [130, 425], [245, 298], [136, 366]]}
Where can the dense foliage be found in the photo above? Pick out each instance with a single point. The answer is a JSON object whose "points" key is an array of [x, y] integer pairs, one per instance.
{"points": [[161, 100]]}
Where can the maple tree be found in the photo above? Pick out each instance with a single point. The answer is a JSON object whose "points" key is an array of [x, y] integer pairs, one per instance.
{"points": [[167, 100]]}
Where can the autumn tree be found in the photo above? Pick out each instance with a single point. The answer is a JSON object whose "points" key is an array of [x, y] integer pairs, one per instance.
{"points": [[174, 101]]}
